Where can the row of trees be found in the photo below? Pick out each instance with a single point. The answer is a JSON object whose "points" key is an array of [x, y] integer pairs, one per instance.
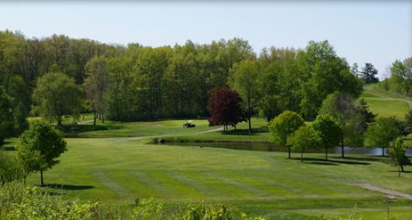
{"points": [[342, 121], [135, 82], [400, 80]]}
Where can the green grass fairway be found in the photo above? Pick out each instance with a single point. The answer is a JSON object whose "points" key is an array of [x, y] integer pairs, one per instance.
{"points": [[114, 164], [140, 129], [385, 103], [119, 170]]}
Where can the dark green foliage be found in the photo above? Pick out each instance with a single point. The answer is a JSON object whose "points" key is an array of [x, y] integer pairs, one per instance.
{"points": [[146, 83], [400, 80], [352, 118], [56, 96], [96, 85], [368, 74], [6, 116], [41, 146], [303, 139], [10, 168], [382, 132], [397, 153], [244, 79], [328, 73], [329, 130], [283, 126]]}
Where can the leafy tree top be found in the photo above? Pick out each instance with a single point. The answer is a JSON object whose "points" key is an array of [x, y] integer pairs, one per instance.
{"points": [[57, 95], [330, 132], [382, 132], [225, 107], [44, 142], [6, 115], [284, 125], [304, 138], [369, 74]]}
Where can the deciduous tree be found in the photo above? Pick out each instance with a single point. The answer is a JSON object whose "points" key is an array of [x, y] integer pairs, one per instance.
{"points": [[56, 95], [329, 130], [96, 84], [244, 79], [284, 125], [342, 108], [225, 107], [397, 153], [303, 139], [382, 132], [40, 147], [6, 116]]}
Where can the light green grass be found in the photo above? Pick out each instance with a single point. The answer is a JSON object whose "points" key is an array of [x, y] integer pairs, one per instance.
{"points": [[140, 129], [119, 170], [385, 103]]}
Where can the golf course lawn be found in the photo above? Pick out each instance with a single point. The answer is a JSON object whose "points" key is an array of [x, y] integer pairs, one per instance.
{"points": [[119, 170], [118, 163]]}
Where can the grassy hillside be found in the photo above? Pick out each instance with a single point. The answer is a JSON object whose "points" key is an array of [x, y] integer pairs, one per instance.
{"points": [[119, 170], [385, 103], [115, 164]]}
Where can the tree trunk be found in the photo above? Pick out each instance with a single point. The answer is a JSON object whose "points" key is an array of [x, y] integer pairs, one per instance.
{"points": [[383, 151], [343, 148], [301, 156], [102, 117], [95, 119], [41, 178], [401, 165], [326, 153], [248, 116], [289, 152]]}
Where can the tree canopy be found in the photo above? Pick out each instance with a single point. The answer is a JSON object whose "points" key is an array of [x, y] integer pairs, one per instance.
{"points": [[369, 74], [303, 139], [397, 153], [382, 132], [56, 95], [244, 80], [6, 116], [329, 130], [40, 147], [283, 126], [225, 107]]}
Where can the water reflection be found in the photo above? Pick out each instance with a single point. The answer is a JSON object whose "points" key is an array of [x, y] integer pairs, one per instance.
{"points": [[259, 146]]}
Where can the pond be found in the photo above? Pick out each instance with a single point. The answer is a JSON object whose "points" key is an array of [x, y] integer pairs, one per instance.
{"points": [[262, 146]]}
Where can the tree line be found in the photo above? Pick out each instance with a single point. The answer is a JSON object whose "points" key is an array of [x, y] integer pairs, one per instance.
{"points": [[58, 76]]}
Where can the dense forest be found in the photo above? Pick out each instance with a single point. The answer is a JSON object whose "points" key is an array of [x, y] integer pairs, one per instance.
{"points": [[136, 82]]}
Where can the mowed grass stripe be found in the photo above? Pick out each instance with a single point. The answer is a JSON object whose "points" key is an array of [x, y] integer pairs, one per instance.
{"points": [[113, 185], [192, 179], [178, 190], [228, 177], [151, 184], [166, 185]]}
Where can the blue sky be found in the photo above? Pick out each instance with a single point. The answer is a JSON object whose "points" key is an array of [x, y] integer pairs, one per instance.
{"points": [[378, 32]]}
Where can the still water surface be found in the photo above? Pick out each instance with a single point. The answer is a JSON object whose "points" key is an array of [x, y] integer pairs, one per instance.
{"points": [[258, 146]]}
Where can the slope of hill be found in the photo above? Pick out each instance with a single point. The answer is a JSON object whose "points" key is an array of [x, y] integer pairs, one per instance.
{"points": [[385, 103]]}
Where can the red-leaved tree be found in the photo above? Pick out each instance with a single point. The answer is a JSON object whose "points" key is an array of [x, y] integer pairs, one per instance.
{"points": [[225, 107]]}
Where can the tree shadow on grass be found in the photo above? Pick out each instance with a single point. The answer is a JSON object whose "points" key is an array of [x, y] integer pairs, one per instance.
{"points": [[67, 186], [368, 158], [396, 171], [255, 131], [85, 128], [9, 148], [317, 161]]}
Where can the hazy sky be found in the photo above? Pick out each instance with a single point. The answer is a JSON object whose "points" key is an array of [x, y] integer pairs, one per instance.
{"points": [[378, 32]]}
